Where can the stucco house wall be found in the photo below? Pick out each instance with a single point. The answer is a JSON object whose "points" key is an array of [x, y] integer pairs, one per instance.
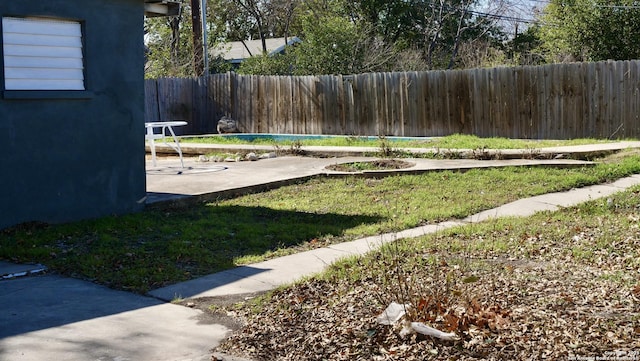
{"points": [[69, 155]]}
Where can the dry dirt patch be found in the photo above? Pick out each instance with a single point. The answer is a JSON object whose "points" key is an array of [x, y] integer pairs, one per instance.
{"points": [[379, 164]]}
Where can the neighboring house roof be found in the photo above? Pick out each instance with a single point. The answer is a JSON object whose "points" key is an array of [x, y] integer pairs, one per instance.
{"points": [[236, 52]]}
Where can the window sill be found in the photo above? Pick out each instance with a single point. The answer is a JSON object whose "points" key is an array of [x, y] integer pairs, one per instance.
{"points": [[47, 94]]}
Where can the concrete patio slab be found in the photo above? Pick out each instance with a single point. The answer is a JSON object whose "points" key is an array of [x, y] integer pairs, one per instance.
{"points": [[57, 318], [168, 185]]}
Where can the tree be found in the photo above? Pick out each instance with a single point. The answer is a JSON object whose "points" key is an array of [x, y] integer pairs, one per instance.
{"points": [[524, 48], [447, 24], [437, 27], [329, 47], [333, 43], [258, 12], [228, 22], [590, 30], [336, 45], [392, 20], [285, 17], [346, 37], [263, 64], [169, 45], [341, 36], [239, 20]]}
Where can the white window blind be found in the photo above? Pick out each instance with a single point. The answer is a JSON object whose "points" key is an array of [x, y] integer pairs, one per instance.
{"points": [[42, 54]]}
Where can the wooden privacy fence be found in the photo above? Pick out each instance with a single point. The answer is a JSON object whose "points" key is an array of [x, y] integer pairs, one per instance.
{"points": [[560, 101]]}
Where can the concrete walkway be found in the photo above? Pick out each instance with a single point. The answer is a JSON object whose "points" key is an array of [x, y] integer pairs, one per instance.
{"points": [[48, 317]]}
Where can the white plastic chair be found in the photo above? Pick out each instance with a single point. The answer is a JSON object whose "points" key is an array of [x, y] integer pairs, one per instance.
{"points": [[151, 136]]}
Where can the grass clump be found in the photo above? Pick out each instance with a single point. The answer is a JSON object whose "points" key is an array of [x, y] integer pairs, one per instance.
{"points": [[462, 141]]}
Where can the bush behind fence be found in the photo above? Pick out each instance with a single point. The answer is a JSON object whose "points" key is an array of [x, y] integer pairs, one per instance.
{"points": [[559, 101]]}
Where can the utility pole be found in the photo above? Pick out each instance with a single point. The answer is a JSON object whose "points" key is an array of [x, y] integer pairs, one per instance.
{"points": [[204, 37], [196, 23]]}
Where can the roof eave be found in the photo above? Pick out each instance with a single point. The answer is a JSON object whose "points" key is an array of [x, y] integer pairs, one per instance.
{"points": [[155, 8]]}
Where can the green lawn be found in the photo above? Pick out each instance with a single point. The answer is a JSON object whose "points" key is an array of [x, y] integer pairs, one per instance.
{"points": [[154, 248], [457, 141]]}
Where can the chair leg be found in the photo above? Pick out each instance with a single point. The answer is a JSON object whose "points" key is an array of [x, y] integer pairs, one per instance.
{"points": [[152, 145], [177, 148], [180, 153]]}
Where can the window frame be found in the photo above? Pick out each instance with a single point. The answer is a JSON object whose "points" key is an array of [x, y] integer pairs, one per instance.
{"points": [[45, 93]]}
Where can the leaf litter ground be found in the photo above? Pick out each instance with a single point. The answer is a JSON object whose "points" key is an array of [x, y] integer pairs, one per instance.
{"points": [[559, 286]]}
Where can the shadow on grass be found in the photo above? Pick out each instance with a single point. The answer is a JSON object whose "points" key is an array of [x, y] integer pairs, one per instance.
{"points": [[156, 248]]}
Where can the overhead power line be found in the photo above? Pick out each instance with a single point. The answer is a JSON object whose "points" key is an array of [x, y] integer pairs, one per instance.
{"points": [[503, 17]]}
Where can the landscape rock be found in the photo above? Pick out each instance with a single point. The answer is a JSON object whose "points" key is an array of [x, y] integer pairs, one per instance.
{"points": [[235, 158], [268, 155]]}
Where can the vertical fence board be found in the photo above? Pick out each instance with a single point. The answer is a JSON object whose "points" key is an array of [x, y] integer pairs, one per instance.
{"points": [[305, 101], [625, 92], [617, 121], [576, 89], [349, 100], [491, 114], [296, 103], [498, 111], [554, 101], [314, 126], [515, 95], [421, 122], [332, 104], [393, 92], [325, 115], [601, 77], [523, 100], [447, 106], [614, 97], [410, 125], [307, 104], [427, 89], [513, 103], [589, 120], [603, 110], [632, 97], [286, 105], [360, 111], [439, 99], [546, 117], [399, 97], [241, 105], [151, 111], [506, 83], [265, 96], [477, 82]]}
